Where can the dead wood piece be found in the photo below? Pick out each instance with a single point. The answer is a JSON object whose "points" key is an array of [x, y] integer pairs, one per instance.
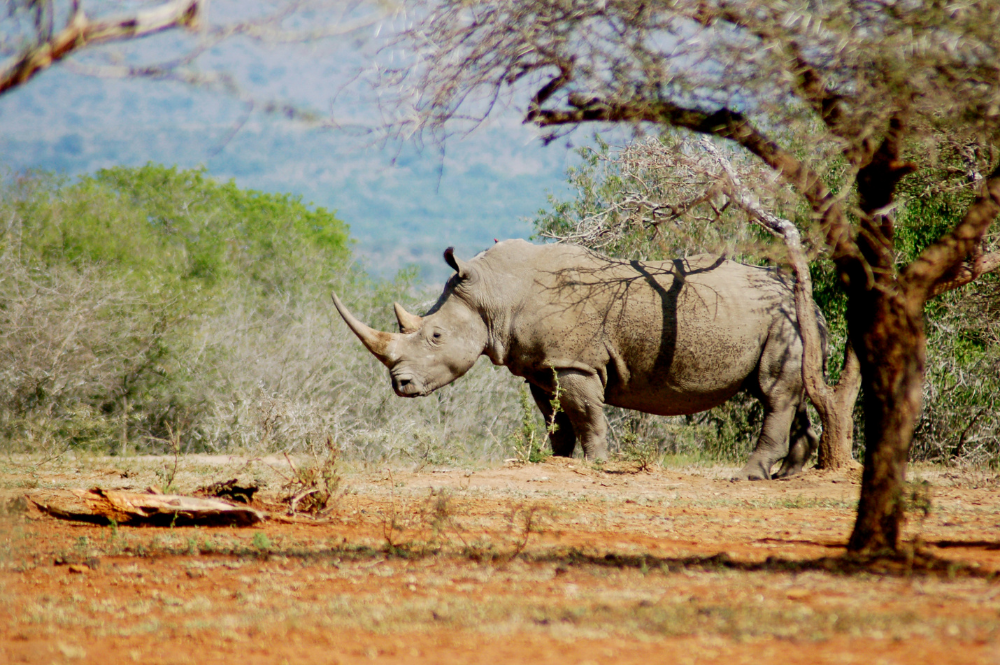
{"points": [[229, 489], [133, 509], [298, 518]]}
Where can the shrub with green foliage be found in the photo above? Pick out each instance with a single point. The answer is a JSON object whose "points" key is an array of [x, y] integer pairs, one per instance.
{"points": [[644, 211], [959, 421], [141, 306], [110, 282], [167, 227]]}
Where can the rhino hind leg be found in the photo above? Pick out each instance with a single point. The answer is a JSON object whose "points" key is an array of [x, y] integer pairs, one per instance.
{"points": [[804, 443], [563, 439], [772, 445], [582, 401], [777, 383]]}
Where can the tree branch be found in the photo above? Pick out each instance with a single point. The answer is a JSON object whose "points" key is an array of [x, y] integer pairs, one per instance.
{"points": [[930, 271], [808, 80], [81, 32], [734, 126], [834, 404], [812, 344], [878, 179], [967, 273]]}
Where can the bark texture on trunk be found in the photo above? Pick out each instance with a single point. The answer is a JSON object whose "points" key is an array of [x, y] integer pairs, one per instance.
{"points": [[885, 320], [835, 404], [886, 330], [892, 370]]}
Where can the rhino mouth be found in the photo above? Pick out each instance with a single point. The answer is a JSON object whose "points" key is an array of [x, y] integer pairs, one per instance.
{"points": [[407, 385]]}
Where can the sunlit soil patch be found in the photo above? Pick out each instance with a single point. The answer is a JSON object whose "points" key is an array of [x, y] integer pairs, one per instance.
{"points": [[555, 563]]}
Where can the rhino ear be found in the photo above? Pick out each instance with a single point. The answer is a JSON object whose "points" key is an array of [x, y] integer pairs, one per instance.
{"points": [[459, 266]]}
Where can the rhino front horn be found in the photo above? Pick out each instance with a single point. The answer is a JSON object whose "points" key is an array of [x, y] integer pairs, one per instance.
{"points": [[376, 341], [407, 322]]}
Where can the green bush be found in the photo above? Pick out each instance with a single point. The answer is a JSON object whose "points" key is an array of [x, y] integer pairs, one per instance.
{"points": [[139, 307], [167, 228], [960, 421], [110, 282]]}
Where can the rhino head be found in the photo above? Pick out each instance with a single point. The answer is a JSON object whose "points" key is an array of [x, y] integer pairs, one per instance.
{"points": [[429, 351]]}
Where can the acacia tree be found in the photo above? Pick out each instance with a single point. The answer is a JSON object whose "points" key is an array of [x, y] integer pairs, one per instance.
{"points": [[802, 85]]}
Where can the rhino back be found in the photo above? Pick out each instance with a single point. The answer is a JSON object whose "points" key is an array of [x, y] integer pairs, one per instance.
{"points": [[669, 337], [700, 339]]}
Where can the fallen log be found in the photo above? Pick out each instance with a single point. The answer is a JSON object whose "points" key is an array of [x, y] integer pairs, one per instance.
{"points": [[101, 506]]}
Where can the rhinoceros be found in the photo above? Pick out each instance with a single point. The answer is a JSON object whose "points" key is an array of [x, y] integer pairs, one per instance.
{"points": [[663, 337]]}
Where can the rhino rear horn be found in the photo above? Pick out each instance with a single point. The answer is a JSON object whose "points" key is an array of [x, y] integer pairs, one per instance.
{"points": [[376, 341], [407, 322]]}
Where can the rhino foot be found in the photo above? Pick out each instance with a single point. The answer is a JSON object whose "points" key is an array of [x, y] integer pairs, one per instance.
{"points": [[751, 472], [789, 472]]}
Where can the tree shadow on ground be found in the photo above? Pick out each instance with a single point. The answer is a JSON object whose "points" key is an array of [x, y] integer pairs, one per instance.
{"points": [[901, 564], [913, 562]]}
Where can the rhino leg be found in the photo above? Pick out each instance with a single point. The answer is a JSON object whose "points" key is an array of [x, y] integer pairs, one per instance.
{"points": [[582, 400], [772, 444], [777, 383], [563, 440], [804, 443]]}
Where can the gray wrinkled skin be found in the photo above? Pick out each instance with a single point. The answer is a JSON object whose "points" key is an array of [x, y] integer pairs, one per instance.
{"points": [[668, 338]]}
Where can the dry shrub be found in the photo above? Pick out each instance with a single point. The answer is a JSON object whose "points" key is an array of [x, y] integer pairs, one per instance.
{"points": [[313, 486], [75, 345], [960, 423], [85, 363], [292, 377]]}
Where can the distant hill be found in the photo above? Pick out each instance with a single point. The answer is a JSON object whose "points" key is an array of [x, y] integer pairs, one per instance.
{"points": [[403, 205]]}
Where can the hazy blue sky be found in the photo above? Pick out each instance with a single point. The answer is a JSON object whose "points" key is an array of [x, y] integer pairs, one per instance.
{"points": [[403, 204]]}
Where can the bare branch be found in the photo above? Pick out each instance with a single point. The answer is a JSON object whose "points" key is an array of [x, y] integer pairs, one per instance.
{"points": [[835, 405], [967, 273], [929, 274], [81, 32], [767, 27]]}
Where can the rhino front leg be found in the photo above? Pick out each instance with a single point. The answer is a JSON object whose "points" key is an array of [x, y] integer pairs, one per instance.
{"points": [[582, 400], [563, 440]]}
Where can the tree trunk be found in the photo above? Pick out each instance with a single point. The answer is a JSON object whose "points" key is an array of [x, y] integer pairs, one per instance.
{"points": [[838, 424], [892, 371], [885, 319]]}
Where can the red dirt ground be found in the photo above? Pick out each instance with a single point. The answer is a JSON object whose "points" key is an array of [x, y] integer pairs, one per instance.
{"points": [[550, 563]]}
